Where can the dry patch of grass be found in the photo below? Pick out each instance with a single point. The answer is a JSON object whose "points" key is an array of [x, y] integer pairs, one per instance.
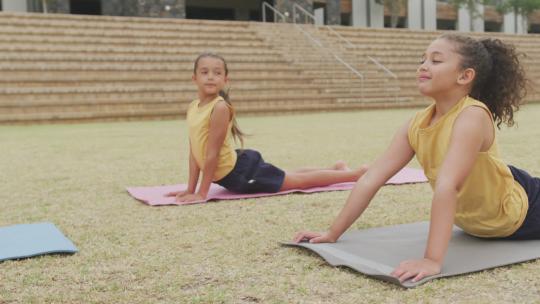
{"points": [[224, 252]]}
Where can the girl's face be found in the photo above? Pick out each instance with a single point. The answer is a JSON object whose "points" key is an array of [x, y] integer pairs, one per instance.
{"points": [[440, 70], [210, 76]]}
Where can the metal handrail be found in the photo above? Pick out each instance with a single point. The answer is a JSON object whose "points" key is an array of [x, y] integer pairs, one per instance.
{"points": [[303, 10], [339, 36], [387, 71], [337, 57], [274, 10], [310, 37], [380, 65], [373, 60], [355, 71]]}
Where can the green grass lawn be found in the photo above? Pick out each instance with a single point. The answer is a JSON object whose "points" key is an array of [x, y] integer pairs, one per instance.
{"points": [[75, 176]]}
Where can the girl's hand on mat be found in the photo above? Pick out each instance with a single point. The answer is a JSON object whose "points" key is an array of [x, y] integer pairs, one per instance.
{"points": [[312, 237], [178, 194], [416, 269], [190, 198]]}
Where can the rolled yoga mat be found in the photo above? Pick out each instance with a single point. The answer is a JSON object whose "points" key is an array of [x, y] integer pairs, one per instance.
{"points": [[377, 251], [28, 240], [155, 196]]}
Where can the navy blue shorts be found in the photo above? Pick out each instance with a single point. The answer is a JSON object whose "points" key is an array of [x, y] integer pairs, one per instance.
{"points": [[252, 175], [530, 229]]}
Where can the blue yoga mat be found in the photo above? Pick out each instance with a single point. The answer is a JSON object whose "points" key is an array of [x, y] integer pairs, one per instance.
{"points": [[28, 240]]}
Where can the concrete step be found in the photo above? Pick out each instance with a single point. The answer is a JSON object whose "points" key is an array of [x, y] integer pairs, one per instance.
{"points": [[373, 100], [38, 76], [184, 33], [176, 112], [66, 97], [115, 22], [148, 50], [71, 103], [62, 57], [163, 81], [15, 97], [130, 87], [128, 41], [132, 66]]}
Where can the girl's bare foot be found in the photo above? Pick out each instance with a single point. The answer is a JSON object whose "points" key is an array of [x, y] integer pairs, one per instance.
{"points": [[362, 169], [341, 165]]}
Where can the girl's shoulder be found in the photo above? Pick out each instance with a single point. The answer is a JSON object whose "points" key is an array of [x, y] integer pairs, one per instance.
{"points": [[474, 108], [193, 104], [469, 101]]}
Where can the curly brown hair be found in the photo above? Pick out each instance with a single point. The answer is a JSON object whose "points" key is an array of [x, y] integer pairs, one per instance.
{"points": [[500, 81]]}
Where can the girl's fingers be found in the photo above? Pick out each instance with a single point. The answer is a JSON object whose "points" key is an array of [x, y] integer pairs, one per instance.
{"points": [[397, 272], [304, 235], [419, 276], [186, 198], [299, 237], [317, 239], [405, 276], [182, 198]]}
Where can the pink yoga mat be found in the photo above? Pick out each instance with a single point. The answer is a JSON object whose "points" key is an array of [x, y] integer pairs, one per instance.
{"points": [[155, 196]]}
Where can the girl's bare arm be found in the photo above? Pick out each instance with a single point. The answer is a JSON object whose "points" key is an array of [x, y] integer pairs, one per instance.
{"points": [[219, 122], [194, 172], [398, 154]]}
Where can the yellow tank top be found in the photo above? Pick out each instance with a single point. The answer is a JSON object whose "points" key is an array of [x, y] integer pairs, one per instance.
{"points": [[490, 203], [198, 120]]}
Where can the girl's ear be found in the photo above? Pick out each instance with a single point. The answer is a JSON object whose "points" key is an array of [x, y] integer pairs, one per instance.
{"points": [[193, 77], [466, 76]]}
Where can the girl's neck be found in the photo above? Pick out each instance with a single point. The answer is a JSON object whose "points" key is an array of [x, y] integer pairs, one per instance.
{"points": [[204, 99], [445, 102]]}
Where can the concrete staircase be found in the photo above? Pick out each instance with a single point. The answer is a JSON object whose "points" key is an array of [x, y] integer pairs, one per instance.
{"points": [[78, 68], [401, 51], [60, 68], [346, 76]]}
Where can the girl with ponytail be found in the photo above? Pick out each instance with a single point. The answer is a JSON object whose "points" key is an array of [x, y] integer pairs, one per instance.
{"points": [[475, 85], [212, 125]]}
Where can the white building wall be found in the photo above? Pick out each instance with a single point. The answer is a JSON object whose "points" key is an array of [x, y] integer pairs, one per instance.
{"points": [[430, 15], [422, 14], [14, 5], [478, 18], [464, 20], [415, 15], [376, 14], [467, 23], [359, 13], [509, 23]]}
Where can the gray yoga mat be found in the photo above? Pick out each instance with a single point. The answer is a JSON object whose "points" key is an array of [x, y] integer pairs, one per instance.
{"points": [[377, 251], [28, 240]]}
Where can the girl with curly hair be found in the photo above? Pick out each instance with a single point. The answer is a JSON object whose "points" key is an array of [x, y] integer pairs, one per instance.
{"points": [[475, 85]]}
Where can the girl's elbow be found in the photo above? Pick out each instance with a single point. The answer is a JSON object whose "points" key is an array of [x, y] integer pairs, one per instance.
{"points": [[368, 181], [447, 188], [446, 193], [211, 157]]}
